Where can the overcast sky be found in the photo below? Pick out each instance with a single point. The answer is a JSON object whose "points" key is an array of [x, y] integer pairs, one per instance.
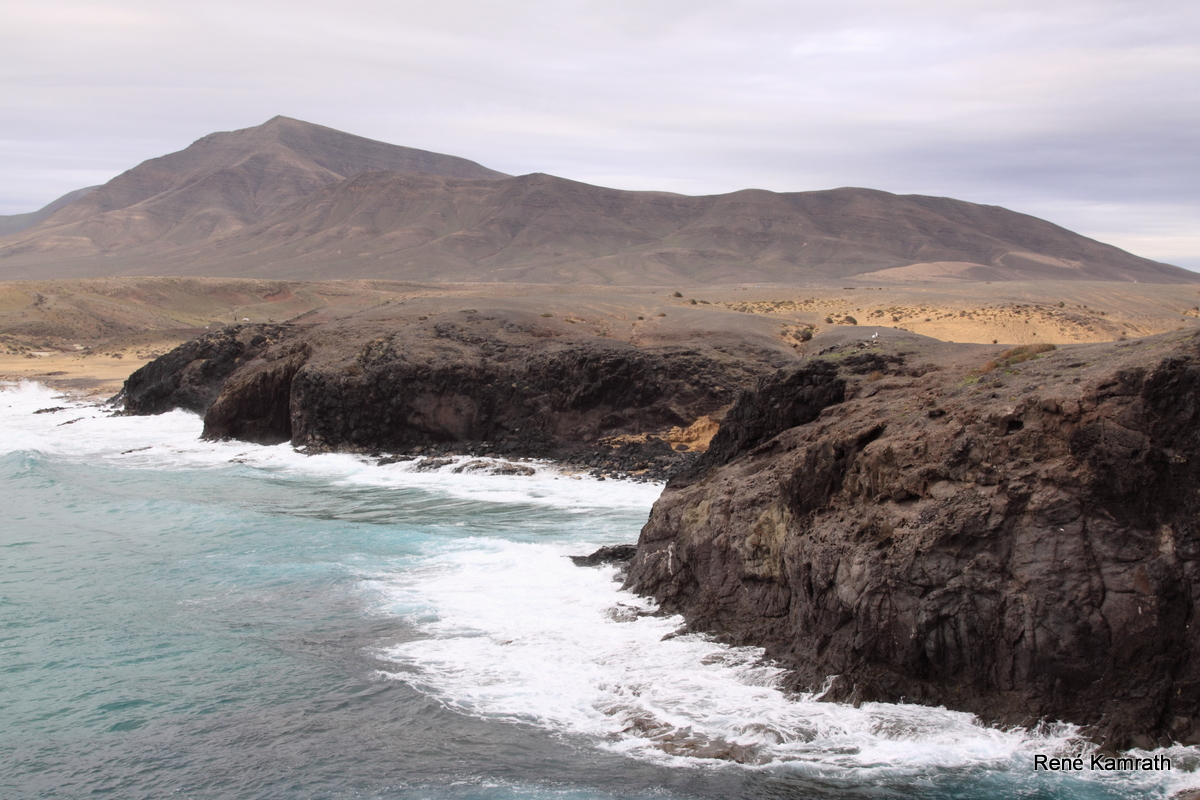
{"points": [[1084, 113]]}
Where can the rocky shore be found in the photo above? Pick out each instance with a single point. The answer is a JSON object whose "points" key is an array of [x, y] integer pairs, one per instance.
{"points": [[502, 382], [1004, 531], [1012, 534]]}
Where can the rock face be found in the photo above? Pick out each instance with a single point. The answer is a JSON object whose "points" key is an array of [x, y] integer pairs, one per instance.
{"points": [[1021, 543], [504, 381], [191, 376]]}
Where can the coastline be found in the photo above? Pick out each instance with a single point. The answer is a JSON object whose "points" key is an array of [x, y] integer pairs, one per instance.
{"points": [[88, 376], [424, 384], [1174, 758]]}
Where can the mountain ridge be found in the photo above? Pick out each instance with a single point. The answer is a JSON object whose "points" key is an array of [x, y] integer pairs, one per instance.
{"points": [[224, 181], [288, 199], [15, 223]]}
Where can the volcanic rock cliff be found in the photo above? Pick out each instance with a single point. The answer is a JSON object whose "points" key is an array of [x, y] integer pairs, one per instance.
{"points": [[502, 380], [1012, 534], [1007, 532]]}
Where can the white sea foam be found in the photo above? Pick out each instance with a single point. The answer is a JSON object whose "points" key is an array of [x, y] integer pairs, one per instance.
{"points": [[90, 431], [517, 632]]}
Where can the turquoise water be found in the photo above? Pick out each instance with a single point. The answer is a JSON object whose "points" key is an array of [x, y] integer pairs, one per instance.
{"points": [[216, 620]]}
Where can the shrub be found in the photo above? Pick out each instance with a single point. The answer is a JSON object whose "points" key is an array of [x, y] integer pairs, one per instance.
{"points": [[1026, 352], [1016, 355]]}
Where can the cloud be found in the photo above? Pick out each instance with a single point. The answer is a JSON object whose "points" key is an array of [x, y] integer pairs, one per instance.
{"points": [[1054, 105]]}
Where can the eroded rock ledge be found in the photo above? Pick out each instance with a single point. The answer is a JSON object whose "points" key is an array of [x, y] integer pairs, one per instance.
{"points": [[501, 381], [1021, 543]]}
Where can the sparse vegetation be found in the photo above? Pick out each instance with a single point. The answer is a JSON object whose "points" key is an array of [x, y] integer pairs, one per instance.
{"points": [[773, 306], [1016, 355]]}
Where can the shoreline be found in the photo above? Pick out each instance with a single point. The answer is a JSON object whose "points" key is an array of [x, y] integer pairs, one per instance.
{"points": [[85, 376], [431, 455], [616, 463]]}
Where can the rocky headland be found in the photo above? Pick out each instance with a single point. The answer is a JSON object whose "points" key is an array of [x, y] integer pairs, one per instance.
{"points": [[1006, 531], [1011, 533], [625, 394]]}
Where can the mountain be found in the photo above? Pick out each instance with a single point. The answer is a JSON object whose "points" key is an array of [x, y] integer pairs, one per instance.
{"points": [[293, 200], [19, 222], [219, 184], [539, 228]]}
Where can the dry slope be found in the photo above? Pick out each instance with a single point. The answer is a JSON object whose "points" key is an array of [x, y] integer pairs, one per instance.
{"points": [[292, 200]]}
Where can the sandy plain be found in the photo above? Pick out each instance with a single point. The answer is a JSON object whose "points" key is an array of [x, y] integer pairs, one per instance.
{"points": [[86, 336]]}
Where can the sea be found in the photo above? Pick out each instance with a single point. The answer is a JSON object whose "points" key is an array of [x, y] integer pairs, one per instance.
{"points": [[182, 618]]}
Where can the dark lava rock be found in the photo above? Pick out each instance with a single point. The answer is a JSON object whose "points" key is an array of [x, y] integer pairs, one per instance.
{"points": [[1025, 552], [506, 382], [383, 462], [609, 554], [192, 375], [508, 468], [432, 464]]}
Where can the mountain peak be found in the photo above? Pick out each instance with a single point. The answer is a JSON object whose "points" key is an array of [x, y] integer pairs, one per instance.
{"points": [[227, 180], [294, 199]]}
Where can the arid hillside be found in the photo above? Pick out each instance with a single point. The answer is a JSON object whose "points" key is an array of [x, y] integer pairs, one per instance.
{"points": [[102, 329], [221, 183], [14, 223], [290, 200]]}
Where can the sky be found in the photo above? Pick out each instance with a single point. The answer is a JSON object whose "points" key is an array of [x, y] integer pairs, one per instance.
{"points": [[1085, 113]]}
